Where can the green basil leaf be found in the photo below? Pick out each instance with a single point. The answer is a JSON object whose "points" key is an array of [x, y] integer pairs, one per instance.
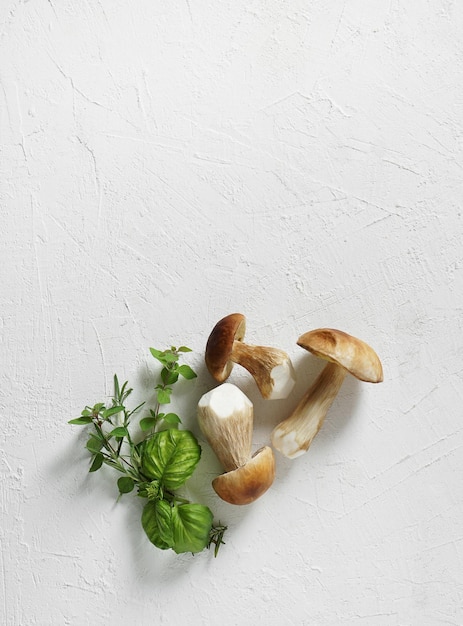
{"points": [[156, 520], [170, 456], [125, 484], [184, 349], [186, 372], [191, 525]]}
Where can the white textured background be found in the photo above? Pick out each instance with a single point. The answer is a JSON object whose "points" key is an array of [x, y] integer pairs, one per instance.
{"points": [[165, 163]]}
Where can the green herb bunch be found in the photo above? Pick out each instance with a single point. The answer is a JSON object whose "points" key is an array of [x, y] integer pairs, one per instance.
{"points": [[158, 464]]}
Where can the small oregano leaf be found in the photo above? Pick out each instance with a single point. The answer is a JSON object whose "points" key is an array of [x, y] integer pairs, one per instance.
{"points": [[186, 372], [172, 419], [158, 354], [170, 357], [80, 421], [94, 444], [120, 431], [147, 422], [169, 377], [125, 484], [112, 411], [163, 395], [96, 463]]}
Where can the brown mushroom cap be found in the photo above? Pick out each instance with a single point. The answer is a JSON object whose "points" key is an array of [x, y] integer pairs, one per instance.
{"points": [[220, 345], [356, 356], [249, 482]]}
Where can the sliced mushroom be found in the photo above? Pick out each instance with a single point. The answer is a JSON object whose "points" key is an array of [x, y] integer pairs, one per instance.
{"points": [[225, 416], [345, 353], [271, 368]]}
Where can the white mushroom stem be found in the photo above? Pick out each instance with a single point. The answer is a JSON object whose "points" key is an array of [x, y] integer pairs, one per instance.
{"points": [[225, 416], [293, 436], [271, 368]]}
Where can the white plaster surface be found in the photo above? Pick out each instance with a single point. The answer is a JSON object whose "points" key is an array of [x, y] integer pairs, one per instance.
{"points": [[165, 163]]}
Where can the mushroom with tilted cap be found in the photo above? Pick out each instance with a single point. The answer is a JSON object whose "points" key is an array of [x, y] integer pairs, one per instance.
{"points": [[225, 416], [271, 368], [345, 354]]}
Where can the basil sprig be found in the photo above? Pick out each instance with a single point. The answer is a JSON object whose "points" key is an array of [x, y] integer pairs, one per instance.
{"points": [[157, 465], [169, 458]]}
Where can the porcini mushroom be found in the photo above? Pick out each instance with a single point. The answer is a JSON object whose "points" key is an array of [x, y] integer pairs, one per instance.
{"points": [[271, 368], [345, 354], [225, 416]]}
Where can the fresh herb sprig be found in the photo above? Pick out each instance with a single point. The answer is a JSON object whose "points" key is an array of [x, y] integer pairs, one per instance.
{"points": [[157, 465]]}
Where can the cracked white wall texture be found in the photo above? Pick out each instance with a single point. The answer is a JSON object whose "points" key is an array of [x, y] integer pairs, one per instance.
{"points": [[164, 163]]}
